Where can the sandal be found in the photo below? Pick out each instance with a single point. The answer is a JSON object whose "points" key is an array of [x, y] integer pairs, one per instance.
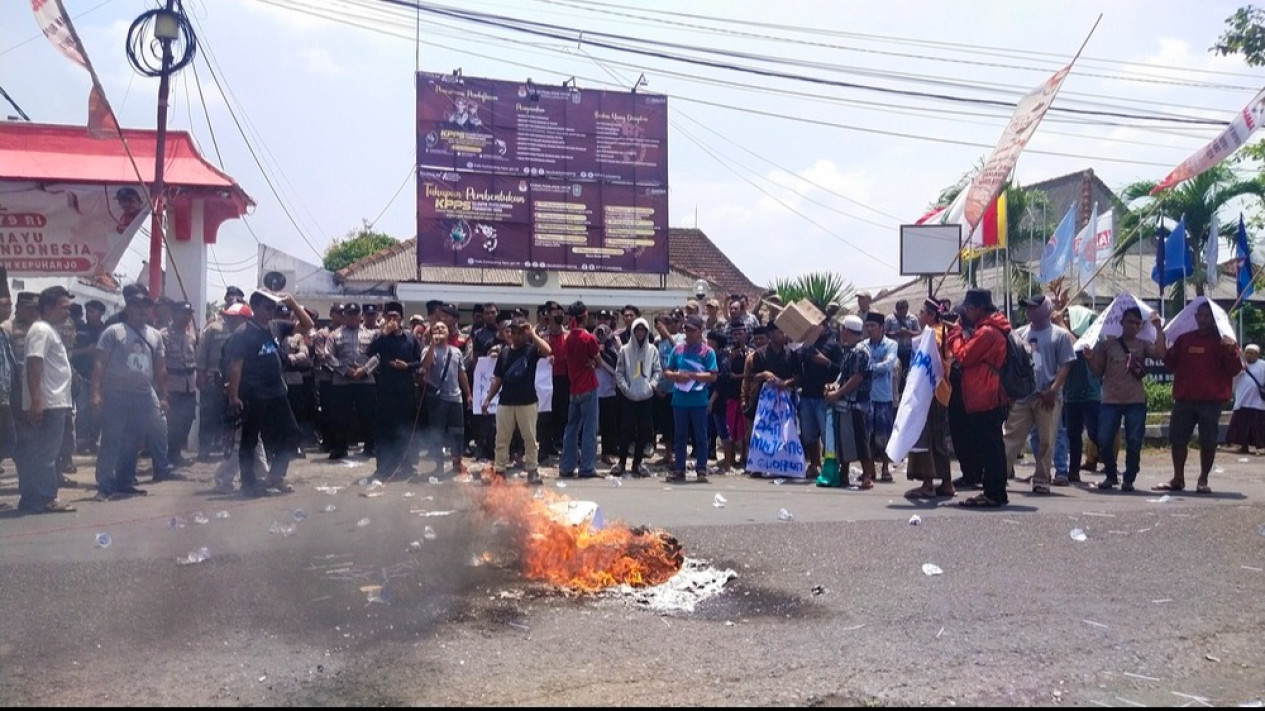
{"points": [[1205, 489], [920, 493], [980, 502], [1168, 486], [945, 493]]}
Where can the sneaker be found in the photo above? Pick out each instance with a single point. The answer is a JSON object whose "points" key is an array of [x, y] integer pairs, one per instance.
{"points": [[567, 475], [701, 479], [1107, 484], [617, 470], [279, 487], [1127, 486], [1061, 480], [58, 507], [641, 471], [675, 478], [67, 483]]}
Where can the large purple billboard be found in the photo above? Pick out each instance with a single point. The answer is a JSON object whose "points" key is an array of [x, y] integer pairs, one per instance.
{"points": [[480, 220], [565, 178]]}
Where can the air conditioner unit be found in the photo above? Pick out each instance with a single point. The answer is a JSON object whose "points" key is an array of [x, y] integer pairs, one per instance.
{"points": [[540, 278], [278, 279]]}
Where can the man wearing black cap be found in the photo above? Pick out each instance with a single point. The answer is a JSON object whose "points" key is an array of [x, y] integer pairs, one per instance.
{"points": [[180, 343], [399, 354], [982, 355], [82, 357], [369, 314], [257, 392], [234, 295], [296, 369], [211, 383], [129, 388]]}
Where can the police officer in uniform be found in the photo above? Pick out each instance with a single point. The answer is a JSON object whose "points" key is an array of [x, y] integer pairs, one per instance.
{"points": [[354, 391], [180, 342]]}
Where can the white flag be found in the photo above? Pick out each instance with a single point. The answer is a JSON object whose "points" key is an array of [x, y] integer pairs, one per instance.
{"points": [[925, 372], [1210, 252], [56, 25]]}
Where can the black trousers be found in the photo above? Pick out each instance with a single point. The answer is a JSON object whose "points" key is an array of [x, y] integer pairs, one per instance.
{"points": [[558, 418], [638, 429], [273, 420], [608, 424], [986, 440], [183, 408], [661, 415], [960, 434], [325, 420], [212, 409], [396, 415], [355, 410]]}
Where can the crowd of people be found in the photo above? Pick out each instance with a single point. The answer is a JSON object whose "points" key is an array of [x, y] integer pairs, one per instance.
{"points": [[267, 381]]}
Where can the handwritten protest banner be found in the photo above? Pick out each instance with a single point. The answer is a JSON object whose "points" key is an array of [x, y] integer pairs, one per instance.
{"points": [[482, 383], [1108, 325], [775, 446]]}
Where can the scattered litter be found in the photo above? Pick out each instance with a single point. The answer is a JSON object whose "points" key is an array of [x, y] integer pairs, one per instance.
{"points": [[1162, 500], [729, 623], [1211, 658], [200, 518], [1162, 601], [1144, 530], [409, 494], [819, 590], [1123, 700], [299, 514], [1140, 676], [915, 520], [330, 508], [779, 481], [518, 626], [1252, 704], [286, 530], [1248, 567], [1078, 535], [1096, 513], [434, 480], [784, 515], [373, 593], [428, 514], [1244, 460], [331, 490], [1192, 697], [174, 522], [263, 678], [854, 488], [1118, 533], [695, 582], [194, 557], [942, 632], [350, 464], [429, 533], [362, 481], [667, 488], [221, 515], [1218, 469], [104, 540], [930, 569], [362, 523], [719, 501], [1009, 521], [415, 546], [853, 628], [561, 485], [615, 482], [375, 484], [1091, 623]]}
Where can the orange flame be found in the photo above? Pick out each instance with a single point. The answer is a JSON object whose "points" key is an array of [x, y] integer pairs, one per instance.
{"points": [[575, 556]]}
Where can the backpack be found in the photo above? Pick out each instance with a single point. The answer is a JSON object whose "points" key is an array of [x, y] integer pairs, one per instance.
{"points": [[1017, 374]]}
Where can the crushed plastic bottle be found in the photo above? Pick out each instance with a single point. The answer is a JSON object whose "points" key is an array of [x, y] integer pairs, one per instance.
{"points": [[719, 501], [104, 540], [195, 557], [221, 515], [434, 480], [200, 518], [362, 523], [784, 515], [1218, 469], [284, 529], [1162, 500], [915, 520], [1244, 460], [615, 482], [375, 484], [779, 481], [1078, 535], [299, 514], [329, 509], [561, 485], [409, 494], [429, 533], [930, 569]]}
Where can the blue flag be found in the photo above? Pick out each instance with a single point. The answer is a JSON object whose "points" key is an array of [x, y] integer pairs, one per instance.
{"points": [[1244, 254], [1058, 251], [1173, 262]]}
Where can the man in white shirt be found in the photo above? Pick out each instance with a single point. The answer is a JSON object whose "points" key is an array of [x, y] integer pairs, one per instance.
{"points": [[46, 406]]}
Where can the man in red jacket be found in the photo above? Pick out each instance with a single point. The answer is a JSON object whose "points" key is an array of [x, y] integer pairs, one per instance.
{"points": [[981, 357], [1204, 364]]}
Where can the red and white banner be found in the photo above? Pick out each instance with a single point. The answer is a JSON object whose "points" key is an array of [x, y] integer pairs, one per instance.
{"points": [[1028, 114], [1222, 147], [67, 230], [55, 23]]}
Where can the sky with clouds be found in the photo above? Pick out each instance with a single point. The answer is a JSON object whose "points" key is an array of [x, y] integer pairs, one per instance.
{"points": [[786, 174]]}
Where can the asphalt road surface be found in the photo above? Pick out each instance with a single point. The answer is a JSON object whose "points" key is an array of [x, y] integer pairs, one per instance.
{"points": [[1161, 604]]}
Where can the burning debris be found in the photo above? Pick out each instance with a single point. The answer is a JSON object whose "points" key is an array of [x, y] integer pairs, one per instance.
{"points": [[565, 543]]}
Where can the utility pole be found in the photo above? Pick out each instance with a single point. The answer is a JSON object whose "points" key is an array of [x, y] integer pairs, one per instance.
{"points": [[165, 28]]}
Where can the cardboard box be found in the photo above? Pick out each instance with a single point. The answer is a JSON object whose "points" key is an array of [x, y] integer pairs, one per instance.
{"points": [[801, 321]]}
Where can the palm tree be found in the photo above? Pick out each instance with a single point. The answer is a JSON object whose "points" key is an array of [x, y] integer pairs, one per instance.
{"points": [[1195, 199], [821, 288]]}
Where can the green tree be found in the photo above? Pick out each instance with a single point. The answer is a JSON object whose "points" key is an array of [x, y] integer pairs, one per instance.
{"points": [[1245, 35], [1197, 200], [821, 288], [356, 245]]}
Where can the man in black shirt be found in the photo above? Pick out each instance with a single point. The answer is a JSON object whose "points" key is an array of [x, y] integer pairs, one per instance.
{"points": [[818, 365], [772, 364], [257, 391], [399, 354], [515, 380]]}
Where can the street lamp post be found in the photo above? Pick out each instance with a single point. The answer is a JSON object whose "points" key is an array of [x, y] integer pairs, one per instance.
{"points": [[167, 30]]}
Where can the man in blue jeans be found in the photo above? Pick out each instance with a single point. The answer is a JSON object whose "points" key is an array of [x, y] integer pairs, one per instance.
{"points": [[582, 355], [46, 406], [691, 367], [1119, 363]]}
